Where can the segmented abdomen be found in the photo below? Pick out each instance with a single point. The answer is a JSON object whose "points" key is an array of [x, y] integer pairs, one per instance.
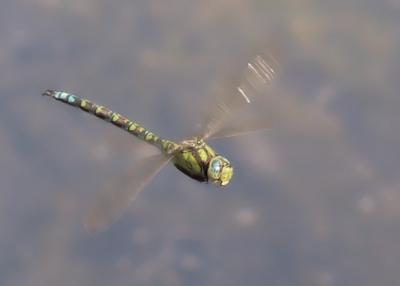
{"points": [[114, 118]]}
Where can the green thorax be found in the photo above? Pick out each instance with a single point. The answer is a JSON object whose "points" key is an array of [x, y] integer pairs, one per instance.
{"points": [[198, 161]]}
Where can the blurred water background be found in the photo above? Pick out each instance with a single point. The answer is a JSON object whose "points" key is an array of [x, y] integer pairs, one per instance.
{"points": [[314, 202]]}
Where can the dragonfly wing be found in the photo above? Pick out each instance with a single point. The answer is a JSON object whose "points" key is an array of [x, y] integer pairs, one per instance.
{"points": [[243, 126], [254, 84], [120, 192]]}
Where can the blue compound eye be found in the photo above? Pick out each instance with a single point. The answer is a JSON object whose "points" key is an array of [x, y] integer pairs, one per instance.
{"points": [[216, 167], [220, 171]]}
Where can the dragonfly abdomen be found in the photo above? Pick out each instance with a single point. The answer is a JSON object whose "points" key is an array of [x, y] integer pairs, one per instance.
{"points": [[114, 118]]}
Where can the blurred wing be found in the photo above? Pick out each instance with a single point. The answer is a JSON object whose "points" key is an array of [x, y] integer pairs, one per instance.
{"points": [[254, 84], [120, 192], [244, 126]]}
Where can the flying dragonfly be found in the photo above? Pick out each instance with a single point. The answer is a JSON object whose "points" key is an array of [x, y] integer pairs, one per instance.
{"points": [[192, 156]]}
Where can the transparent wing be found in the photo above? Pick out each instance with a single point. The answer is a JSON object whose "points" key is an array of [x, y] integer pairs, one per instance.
{"points": [[120, 192], [243, 127], [253, 85]]}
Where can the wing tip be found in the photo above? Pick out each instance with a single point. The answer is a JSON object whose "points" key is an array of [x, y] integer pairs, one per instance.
{"points": [[95, 224]]}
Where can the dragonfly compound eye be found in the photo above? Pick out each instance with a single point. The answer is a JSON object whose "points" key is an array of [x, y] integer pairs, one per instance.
{"points": [[220, 171]]}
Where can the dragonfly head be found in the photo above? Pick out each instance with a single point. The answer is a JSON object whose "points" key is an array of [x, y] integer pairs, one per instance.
{"points": [[220, 171]]}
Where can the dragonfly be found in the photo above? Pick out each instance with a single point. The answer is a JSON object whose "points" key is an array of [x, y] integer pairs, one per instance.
{"points": [[192, 156]]}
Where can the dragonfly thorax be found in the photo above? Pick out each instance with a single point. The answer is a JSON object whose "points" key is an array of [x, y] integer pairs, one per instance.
{"points": [[198, 161]]}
